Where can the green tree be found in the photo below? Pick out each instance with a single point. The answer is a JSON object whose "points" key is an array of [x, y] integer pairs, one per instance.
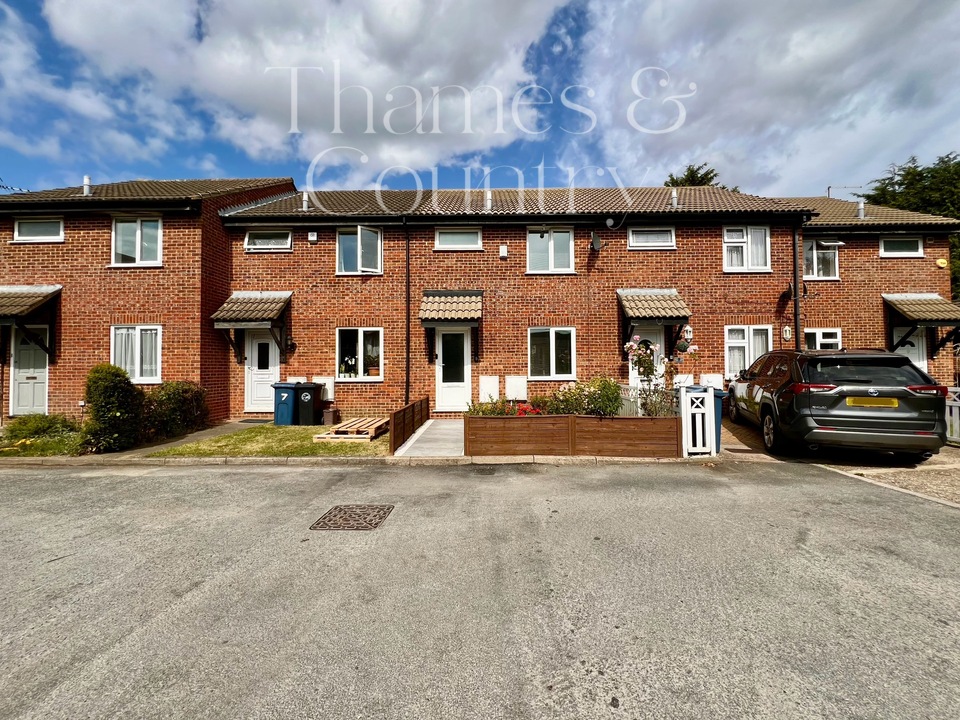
{"points": [[933, 189], [693, 175]]}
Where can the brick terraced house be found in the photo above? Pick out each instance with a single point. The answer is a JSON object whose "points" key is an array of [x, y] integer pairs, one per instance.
{"points": [[389, 296]]}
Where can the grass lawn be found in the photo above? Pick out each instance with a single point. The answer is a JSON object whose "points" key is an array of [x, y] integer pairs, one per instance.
{"points": [[66, 444], [273, 441]]}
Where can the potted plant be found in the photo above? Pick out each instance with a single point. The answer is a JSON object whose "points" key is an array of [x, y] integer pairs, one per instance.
{"points": [[372, 363]]}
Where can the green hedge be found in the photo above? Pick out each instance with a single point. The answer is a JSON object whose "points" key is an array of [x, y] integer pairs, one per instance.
{"points": [[173, 409], [116, 410]]}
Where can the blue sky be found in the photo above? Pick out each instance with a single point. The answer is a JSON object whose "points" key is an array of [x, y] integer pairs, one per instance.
{"points": [[782, 99]]}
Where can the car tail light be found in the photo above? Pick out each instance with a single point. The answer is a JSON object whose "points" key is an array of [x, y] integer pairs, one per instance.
{"points": [[939, 390], [798, 388]]}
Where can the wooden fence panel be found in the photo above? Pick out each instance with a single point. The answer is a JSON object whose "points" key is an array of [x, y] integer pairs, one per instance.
{"points": [[406, 421]]}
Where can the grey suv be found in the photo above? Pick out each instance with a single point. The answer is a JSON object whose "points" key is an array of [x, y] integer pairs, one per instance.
{"points": [[872, 399]]}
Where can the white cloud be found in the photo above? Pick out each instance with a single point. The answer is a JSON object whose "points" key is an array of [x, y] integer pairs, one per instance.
{"points": [[789, 97]]}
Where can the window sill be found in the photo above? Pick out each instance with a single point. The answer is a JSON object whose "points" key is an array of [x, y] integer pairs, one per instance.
{"points": [[37, 242], [147, 382], [251, 251], [746, 271], [900, 256], [550, 272], [458, 249], [360, 379], [134, 266], [653, 247], [553, 378], [820, 279], [359, 274]]}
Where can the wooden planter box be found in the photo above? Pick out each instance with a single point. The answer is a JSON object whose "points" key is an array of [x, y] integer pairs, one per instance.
{"points": [[572, 435]]}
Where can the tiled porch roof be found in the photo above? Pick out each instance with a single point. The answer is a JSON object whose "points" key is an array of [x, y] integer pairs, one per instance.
{"points": [[924, 307], [20, 300], [451, 305], [252, 306], [653, 304]]}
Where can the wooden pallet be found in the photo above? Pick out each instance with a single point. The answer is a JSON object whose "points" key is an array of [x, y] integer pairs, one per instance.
{"points": [[356, 430]]}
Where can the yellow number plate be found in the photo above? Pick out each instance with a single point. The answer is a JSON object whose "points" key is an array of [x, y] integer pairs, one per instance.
{"points": [[873, 402]]}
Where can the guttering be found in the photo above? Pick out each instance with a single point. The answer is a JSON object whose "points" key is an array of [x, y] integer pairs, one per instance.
{"points": [[406, 374], [797, 337]]}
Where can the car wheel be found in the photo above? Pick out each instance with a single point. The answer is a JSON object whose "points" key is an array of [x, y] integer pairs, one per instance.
{"points": [[772, 437], [733, 412]]}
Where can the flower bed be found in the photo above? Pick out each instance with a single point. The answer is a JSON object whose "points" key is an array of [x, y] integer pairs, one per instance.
{"points": [[572, 435]]}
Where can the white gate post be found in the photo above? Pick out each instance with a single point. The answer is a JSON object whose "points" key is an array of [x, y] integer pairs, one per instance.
{"points": [[698, 421]]}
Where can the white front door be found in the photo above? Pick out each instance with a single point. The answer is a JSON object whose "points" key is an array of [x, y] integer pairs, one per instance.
{"points": [[654, 335], [263, 370], [453, 369], [29, 376], [915, 347]]}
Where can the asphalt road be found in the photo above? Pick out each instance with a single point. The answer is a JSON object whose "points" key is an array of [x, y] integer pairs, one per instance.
{"points": [[764, 590]]}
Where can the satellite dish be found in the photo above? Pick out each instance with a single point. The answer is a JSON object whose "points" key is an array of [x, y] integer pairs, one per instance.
{"points": [[595, 242]]}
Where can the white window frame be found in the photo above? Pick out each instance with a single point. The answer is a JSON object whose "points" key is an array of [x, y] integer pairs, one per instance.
{"points": [[358, 229], [459, 248], [747, 343], [285, 247], [136, 378], [551, 266], [832, 245], [745, 244], [37, 240], [139, 221], [632, 245], [894, 254], [360, 378], [553, 353], [818, 333]]}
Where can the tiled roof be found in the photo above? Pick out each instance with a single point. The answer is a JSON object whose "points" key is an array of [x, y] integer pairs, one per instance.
{"points": [[252, 307], [550, 201], [450, 305], [924, 307], [651, 304], [843, 213], [146, 190], [20, 300]]}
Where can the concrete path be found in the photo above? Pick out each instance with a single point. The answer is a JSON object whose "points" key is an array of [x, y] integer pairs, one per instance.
{"points": [[436, 438]]}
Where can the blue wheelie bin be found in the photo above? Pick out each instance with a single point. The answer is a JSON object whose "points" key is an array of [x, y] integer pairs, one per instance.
{"points": [[284, 403]]}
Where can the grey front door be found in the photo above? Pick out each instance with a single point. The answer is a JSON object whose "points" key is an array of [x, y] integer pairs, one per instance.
{"points": [[29, 377]]}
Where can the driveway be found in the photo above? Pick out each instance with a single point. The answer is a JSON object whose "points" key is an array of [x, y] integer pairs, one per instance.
{"points": [[662, 590]]}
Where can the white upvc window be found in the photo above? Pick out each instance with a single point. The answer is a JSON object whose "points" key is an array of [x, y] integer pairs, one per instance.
{"points": [[743, 344], [268, 240], [822, 339], [359, 251], [137, 241], [746, 248], [38, 230], [661, 238], [549, 250], [136, 349], [821, 259], [552, 353], [458, 239], [359, 354], [901, 247]]}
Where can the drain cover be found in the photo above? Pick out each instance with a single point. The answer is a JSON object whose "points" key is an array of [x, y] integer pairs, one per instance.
{"points": [[353, 517]]}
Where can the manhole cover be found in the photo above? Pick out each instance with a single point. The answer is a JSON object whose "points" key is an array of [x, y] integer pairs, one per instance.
{"points": [[353, 517]]}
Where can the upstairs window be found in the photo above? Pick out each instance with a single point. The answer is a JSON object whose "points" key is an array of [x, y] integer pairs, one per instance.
{"points": [[137, 241], [549, 251], [746, 249], [820, 260], [45, 230], [458, 239], [268, 240], [359, 251], [911, 247], [652, 239]]}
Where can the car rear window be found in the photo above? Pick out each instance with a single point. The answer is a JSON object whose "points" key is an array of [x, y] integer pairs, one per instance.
{"points": [[881, 371]]}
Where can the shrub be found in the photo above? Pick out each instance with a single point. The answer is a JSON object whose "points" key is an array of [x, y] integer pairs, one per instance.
{"points": [[492, 408], [173, 409], [116, 410], [601, 396], [39, 426]]}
